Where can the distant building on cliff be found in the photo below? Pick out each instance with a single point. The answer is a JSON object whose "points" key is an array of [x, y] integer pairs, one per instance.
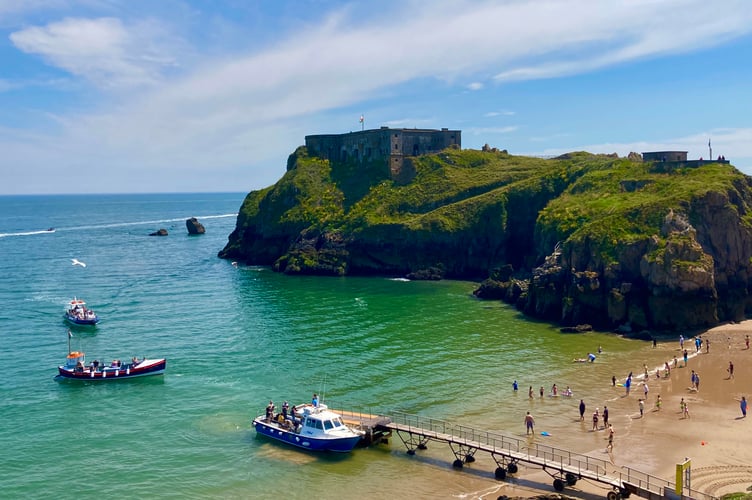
{"points": [[678, 159], [384, 145]]}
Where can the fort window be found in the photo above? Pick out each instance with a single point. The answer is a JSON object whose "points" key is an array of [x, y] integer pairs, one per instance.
{"points": [[416, 150]]}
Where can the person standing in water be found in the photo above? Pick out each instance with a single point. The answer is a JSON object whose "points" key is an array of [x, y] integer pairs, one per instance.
{"points": [[529, 423], [582, 410]]}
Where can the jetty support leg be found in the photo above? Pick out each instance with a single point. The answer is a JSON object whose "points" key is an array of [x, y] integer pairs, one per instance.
{"points": [[463, 454], [412, 441]]}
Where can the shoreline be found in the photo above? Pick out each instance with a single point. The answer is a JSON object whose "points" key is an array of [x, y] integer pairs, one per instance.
{"points": [[711, 437]]}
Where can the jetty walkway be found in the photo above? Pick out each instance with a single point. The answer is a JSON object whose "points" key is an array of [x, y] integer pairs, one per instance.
{"points": [[564, 467]]}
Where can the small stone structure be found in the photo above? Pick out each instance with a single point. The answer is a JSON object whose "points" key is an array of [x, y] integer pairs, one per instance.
{"points": [[385, 145]]}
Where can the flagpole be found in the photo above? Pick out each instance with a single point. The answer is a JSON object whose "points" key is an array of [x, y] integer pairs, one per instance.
{"points": [[69, 337], [710, 151]]}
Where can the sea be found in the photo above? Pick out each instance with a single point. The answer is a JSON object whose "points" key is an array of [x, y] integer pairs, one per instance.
{"points": [[236, 337]]}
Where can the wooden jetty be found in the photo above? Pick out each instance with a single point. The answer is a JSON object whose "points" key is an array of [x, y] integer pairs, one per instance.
{"points": [[565, 467]]}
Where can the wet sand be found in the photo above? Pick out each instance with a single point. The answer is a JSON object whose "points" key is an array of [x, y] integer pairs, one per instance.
{"points": [[715, 436]]}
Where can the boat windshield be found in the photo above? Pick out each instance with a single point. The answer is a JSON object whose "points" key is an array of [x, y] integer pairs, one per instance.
{"points": [[328, 425], [315, 424], [337, 422]]}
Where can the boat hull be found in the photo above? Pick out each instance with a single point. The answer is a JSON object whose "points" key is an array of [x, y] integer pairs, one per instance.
{"points": [[143, 369], [81, 322], [333, 444]]}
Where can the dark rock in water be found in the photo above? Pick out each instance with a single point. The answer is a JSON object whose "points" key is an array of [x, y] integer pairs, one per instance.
{"points": [[161, 232], [434, 273], [194, 226]]}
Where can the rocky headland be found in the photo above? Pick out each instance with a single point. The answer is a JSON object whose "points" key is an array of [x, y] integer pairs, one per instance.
{"points": [[612, 242]]}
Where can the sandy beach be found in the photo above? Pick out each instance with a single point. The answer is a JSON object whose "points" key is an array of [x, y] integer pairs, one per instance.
{"points": [[714, 436]]}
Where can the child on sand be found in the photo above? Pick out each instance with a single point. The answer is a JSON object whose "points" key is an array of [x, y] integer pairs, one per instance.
{"points": [[642, 408]]}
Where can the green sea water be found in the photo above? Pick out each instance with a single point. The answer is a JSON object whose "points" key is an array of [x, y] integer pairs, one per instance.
{"points": [[236, 337]]}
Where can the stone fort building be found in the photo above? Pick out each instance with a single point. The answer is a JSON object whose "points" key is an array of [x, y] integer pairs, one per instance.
{"points": [[390, 146]]}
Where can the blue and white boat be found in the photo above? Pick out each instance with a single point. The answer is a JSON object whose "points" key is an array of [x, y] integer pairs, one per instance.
{"points": [[309, 427], [78, 314]]}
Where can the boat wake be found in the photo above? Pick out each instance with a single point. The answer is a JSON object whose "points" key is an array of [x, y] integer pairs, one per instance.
{"points": [[27, 233], [114, 224]]}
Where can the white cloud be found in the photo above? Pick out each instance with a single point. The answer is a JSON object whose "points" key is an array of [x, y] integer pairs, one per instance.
{"points": [[246, 108], [491, 130], [103, 50], [475, 86], [492, 114]]}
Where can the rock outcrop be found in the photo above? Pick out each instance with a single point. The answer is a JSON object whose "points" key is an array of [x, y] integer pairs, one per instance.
{"points": [[582, 239], [160, 232], [194, 226]]}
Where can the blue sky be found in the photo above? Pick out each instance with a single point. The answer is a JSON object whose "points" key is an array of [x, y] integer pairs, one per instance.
{"points": [[109, 96]]}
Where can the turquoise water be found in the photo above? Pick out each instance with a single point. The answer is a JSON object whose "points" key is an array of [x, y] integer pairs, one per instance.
{"points": [[235, 337]]}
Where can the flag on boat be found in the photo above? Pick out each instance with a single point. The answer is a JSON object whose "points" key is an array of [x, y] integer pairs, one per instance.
{"points": [[70, 335], [362, 119]]}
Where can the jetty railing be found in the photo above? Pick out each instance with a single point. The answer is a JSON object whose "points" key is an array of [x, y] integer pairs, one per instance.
{"points": [[539, 454]]}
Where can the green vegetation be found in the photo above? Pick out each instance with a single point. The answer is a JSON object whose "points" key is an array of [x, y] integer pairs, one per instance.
{"points": [[486, 198]]}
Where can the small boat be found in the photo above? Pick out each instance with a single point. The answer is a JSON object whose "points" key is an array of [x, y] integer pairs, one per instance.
{"points": [[309, 427], [75, 368], [78, 314]]}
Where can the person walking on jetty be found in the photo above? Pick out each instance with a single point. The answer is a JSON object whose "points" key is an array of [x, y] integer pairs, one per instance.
{"points": [[529, 423], [582, 410]]}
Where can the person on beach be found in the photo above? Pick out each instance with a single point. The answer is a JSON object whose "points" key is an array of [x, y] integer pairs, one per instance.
{"points": [[655, 343], [605, 416], [730, 370], [658, 373], [686, 357], [596, 417], [541, 391], [668, 369], [582, 410], [642, 408], [681, 341], [628, 384], [646, 370], [610, 446], [529, 423], [613, 380], [645, 389], [530, 392], [514, 386], [697, 382], [707, 346], [686, 410], [746, 341], [554, 390], [743, 406], [676, 363], [658, 402], [692, 378]]}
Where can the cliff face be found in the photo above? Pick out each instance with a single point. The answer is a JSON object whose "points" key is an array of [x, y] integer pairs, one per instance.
{"points": [[578, 239]]}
